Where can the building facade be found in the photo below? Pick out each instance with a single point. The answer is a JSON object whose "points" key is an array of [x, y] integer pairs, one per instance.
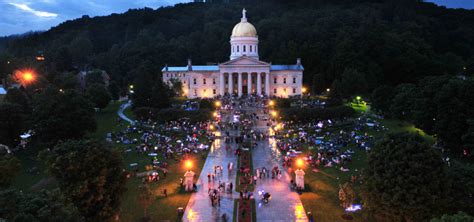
{"points": [[243, 74]]}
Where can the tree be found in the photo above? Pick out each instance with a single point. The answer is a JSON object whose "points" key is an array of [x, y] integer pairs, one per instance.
{"points": [[16, 96], [381, 99], [176, 87], [81, 49], [94, 77], [143, 86], [318, 84], [161, 95], [90, 174], [43, 206], [98, 95], [405, 179], [458, 217], [353, 82], [62, 59], [461, 175], [12, 122], [114, 90], [404, 101], [9, 166], [61, 115]]}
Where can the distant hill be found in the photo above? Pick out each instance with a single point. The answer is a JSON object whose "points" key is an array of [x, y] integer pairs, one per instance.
{"points": [[386, 41]]}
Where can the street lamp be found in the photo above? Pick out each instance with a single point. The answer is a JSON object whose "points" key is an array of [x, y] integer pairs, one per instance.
{"points": [[25, 77], [328, 90], [304, 90], [271, 103], [188, 164], [218, 104], [274, 113]]}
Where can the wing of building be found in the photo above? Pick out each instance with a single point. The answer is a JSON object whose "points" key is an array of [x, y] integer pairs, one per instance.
{"points": [[243, 74]]}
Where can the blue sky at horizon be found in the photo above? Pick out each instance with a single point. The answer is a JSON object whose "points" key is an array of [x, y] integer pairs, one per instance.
{"points": [[20, 16]]}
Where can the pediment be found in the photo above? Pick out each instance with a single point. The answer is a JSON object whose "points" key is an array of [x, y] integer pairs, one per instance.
{"points": [[244, 60]]}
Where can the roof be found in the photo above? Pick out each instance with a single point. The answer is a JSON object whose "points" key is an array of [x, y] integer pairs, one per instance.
{"points": [[285, 67], [216, 68], [195, 68]]}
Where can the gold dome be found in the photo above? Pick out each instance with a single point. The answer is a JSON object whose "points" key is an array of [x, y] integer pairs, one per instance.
{"points": [[244, 28]]}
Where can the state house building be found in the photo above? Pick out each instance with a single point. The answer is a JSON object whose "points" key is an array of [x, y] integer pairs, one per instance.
{"points": [[243, 74]]}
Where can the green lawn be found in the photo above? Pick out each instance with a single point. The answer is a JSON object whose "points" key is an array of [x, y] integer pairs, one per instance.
{"points": [[163, 208]]}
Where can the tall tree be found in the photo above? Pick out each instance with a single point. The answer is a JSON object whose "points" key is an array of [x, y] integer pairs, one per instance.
{"points": [[99, 95], [43, 206], [405, 179], [12, 121], [61, 115], [9, 166], [90, 175]]}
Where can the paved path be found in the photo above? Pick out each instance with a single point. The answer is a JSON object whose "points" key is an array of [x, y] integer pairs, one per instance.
{"points": [[199, 207], [122, 115], [285, 204]]}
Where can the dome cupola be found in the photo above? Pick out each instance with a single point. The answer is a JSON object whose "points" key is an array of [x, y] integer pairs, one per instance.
{"points": [[244, 39]]}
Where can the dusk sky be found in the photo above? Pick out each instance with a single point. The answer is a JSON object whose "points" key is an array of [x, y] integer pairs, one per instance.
{"points": [[19, 16]]}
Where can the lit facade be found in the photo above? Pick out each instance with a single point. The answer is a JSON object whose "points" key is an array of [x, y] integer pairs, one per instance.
{"points": [[243, 74]]}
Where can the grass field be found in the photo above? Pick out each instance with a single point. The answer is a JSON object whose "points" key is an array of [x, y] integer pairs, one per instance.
{"points": [[162, 208]]}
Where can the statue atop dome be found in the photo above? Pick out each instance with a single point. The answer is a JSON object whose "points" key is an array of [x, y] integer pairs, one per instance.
{"points": [[244, 15]]}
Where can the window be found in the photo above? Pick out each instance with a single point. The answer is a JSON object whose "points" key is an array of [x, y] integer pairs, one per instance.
{"points": [[214, 91], [284, 90], [195, 92], [167, 75], [226, 81], [237, 48], [204, 81], [184, 75], [284, 80], [194, 81], [274, 80], [294, 90], [214, 81], [294, 80], [250, 48], [244, 48], [275, 91]]}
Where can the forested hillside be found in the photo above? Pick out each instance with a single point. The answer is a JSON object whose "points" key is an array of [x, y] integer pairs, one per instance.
{"points": [[363, 44]]}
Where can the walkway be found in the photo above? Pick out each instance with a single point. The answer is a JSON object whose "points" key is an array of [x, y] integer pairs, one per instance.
{"points": [[122, 115], [199, 207], [285, 204]]}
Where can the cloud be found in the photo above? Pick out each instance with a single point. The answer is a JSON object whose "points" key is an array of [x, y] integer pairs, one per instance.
{"points": [[38, 13]]}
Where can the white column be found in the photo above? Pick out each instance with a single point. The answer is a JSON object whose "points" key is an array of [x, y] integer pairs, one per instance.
{"points": [[249, 83], [221, 84], [259, 84], [267, 84], [239, 90], [231, 85]]}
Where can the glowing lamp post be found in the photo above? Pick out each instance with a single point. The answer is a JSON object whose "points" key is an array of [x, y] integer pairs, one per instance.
{"points": [[188, 176], [299, 174], [271, 103], [25, 77], [218, 104], [304, 90]]}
